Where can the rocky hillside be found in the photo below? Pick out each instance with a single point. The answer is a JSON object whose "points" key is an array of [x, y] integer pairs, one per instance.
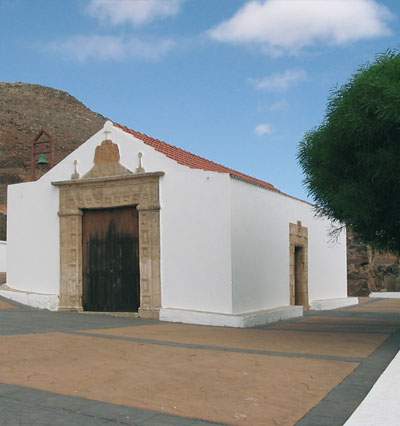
{"points": [[369, 270], [25, 110]]}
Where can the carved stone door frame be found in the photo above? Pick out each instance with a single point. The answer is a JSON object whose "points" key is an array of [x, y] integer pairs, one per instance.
{"points": [[140, 190], [298, 237]]}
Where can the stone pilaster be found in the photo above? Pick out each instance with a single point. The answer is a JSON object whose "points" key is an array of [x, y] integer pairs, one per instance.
{"points": [[70, 260]]}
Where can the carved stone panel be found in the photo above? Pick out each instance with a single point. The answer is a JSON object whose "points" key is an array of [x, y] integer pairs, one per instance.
{"points": [[140, 190], [106, 161]]}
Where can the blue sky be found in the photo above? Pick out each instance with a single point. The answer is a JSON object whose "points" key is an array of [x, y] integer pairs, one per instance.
{"points": [[238, 82]]}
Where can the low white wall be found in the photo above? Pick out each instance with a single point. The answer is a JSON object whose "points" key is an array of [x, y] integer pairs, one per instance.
{"points": [[260, 250], [36, 300], [231, 320], [3, 256], [328, 304], [385, 294]]}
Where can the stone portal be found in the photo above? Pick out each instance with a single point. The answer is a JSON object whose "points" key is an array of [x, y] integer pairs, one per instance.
{"points": [[110, 185]]}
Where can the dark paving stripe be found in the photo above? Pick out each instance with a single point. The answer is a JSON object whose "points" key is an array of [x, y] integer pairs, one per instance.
{"points": [[37, 321], [25, 406], [378, 323], [341, 401], [389, 316], [220, 348], [338, 329]]}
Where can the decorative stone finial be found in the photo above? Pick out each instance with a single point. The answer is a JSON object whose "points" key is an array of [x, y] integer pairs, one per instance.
{"points": [[107, 129], [140, 168], [76, 174]]}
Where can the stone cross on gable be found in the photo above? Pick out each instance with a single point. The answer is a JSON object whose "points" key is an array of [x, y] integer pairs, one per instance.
{"points": [[108, 126], [107, 134]]}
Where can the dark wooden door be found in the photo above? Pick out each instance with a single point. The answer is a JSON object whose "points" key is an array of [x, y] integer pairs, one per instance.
{"points": [[299, 275], [111, 260]]}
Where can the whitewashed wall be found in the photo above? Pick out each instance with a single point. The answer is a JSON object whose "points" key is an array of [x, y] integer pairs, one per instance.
{"points": [[195, 228], [3, 256], [260, 250], [32, 237], [224, 243]]}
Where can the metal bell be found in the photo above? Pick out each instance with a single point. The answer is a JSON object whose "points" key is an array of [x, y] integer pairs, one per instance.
{"points": [[42, 160]]}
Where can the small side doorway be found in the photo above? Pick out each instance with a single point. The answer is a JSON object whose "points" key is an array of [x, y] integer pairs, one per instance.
{"points": [[111, 281], [299, 291], [298, 252]]}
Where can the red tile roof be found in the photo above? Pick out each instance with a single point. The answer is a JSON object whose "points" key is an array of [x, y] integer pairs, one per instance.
{"points": [[194, 161]]}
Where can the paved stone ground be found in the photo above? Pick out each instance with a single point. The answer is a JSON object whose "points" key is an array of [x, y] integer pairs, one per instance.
{"points": [[89, 369]]}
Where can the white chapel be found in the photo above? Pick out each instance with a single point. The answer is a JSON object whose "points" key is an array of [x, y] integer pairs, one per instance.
{"points": [[130, 223]]}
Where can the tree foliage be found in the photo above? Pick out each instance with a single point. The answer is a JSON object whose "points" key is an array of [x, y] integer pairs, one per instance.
{"points": [[351, 161]]}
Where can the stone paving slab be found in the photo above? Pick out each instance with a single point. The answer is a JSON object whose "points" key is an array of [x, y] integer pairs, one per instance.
{"points": [[339, 323], [24, 406], [42, 321]]}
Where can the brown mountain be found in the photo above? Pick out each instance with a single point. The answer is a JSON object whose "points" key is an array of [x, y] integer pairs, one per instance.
{"points": [[25, 111]]}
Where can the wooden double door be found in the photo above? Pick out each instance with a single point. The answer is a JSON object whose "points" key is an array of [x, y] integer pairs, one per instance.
{"points": [[111, 278]]}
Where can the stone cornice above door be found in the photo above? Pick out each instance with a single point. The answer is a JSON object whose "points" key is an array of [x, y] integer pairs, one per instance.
{"points": [[84, 180]]}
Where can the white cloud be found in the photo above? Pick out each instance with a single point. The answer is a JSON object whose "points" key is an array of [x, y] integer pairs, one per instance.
{"points": [[279, 82], [281, 105], [287, 26], [100, 48], [263, 129], [135, 12]]}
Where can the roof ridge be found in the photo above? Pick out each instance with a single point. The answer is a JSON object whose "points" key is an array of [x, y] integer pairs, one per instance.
{"points": [[240, 175], [169, 144]]}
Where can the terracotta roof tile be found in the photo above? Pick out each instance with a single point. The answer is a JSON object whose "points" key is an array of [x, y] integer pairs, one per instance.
{"points": [[194, 161]]}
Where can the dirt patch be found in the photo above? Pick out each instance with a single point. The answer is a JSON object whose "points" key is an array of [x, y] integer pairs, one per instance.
{"points": [[4, 305], [225, 387]]}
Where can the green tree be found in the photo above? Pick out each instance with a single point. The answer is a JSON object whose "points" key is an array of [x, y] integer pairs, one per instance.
{"points": [[351, 161]]}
